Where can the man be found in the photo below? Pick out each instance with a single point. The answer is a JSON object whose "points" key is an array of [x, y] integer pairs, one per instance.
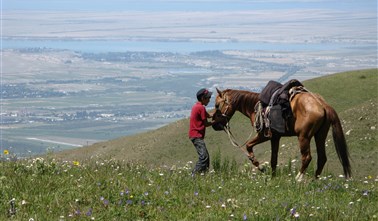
{"points": [[197, 129]]}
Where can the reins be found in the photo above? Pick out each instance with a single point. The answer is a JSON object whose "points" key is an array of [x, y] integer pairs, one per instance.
{"points": [[232, 139], [227, 129]]}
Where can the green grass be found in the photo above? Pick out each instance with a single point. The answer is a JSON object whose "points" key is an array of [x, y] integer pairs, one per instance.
{"points": [[104, 189]]}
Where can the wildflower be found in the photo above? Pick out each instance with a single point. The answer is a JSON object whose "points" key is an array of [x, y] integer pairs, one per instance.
{"points": [[89, 213], [31, 219], [12, 210], [146, 193], [6, 152], [106, 202], [76, 163], [351, 203], [196, 193], [223, 205], [244, 217], [208, 207], [365, 193], [293, 211]]}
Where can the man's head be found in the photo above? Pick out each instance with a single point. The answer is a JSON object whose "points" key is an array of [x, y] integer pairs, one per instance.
{"points": [[203, 94]]}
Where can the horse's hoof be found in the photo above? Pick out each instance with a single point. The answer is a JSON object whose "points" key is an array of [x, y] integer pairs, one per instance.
{"points": [[262, 168], [299, 177]]}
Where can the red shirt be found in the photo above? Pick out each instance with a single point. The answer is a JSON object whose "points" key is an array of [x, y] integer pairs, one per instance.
{"points": [[197, 126]]}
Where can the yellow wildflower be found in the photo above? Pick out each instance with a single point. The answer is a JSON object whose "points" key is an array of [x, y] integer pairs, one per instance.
{"points": [[6, 152]]}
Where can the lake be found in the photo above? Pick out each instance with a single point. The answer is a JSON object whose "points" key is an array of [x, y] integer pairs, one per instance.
{"points": [[99, 46]]}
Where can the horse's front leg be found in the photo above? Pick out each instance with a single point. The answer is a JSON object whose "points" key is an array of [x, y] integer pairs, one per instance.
{"points": [[259, 138]]}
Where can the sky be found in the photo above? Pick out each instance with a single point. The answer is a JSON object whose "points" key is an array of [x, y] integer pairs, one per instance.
{"points": [[184, 5]]}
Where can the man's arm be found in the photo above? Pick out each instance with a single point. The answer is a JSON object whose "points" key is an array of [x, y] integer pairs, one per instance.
{"points": [[209, 123]]}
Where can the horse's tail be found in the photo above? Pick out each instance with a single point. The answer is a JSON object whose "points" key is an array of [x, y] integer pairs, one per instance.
{"points": [[339, 140]]}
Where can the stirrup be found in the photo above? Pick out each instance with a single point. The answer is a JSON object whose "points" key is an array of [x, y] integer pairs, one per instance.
{"points": [[267, 132]]}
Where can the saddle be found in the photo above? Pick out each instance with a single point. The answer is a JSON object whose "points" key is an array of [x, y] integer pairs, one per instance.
{"points": [[273, 111]]}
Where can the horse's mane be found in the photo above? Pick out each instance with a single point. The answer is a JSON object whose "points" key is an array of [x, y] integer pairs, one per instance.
{"points": [[242, 99]]}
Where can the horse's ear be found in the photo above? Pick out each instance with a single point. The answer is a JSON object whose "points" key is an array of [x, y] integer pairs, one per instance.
{"points": [[219, 92]]}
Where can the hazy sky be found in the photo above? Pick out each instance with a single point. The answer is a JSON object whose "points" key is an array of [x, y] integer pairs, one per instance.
{"points": [[186, 5]]}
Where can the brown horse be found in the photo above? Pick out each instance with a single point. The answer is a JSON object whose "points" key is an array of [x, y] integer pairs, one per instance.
{"points": [[312, 117]]}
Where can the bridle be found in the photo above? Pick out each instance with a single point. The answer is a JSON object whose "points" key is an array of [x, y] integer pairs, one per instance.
{"points": [[220, 107]]}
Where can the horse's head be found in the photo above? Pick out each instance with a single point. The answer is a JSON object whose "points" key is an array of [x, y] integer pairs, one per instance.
{"points": [[224, 110]]}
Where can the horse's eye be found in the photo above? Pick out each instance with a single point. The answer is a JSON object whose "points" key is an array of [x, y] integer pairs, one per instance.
{"points": [[216, 106]]}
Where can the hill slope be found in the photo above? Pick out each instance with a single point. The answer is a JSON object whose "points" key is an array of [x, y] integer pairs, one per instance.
{"points": [[353, 94]]}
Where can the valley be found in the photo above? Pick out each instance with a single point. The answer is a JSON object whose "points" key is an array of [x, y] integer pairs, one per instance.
{"points": [[58, 99]]}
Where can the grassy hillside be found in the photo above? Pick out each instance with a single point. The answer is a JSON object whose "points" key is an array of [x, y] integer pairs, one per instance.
{"points": [[354, 95], [93, 184]]}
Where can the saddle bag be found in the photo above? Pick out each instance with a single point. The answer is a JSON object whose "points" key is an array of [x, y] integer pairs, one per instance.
{"points": [[277, 121]]}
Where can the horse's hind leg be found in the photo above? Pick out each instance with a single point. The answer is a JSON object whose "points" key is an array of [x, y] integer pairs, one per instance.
{"points": [[320, 138], [304, 144]]}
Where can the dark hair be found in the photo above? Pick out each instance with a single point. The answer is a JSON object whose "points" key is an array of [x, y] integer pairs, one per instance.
{"points": [[203, 92]]}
